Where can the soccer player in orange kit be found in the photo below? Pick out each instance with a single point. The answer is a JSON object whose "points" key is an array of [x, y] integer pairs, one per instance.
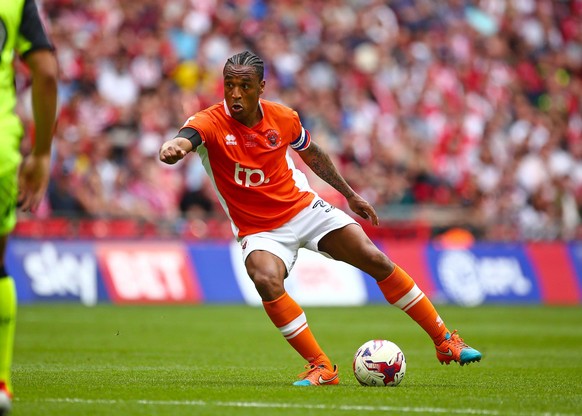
{"points": [[243, 143]]}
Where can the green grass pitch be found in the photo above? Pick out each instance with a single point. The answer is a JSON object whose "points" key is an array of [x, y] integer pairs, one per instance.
{"points": [[230, 360]]}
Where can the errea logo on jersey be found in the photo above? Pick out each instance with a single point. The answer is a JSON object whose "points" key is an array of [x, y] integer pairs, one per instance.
{"points": [[251, 177], [230, 140]]}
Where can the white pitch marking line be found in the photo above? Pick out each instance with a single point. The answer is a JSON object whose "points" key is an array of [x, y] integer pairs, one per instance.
{"points": [[296, 406]]}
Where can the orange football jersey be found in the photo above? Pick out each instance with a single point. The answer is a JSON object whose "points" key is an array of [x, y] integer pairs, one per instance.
{"points": [[255, 179]]}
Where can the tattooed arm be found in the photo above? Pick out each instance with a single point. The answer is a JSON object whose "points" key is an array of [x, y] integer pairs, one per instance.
{"points": [[320, 163]]}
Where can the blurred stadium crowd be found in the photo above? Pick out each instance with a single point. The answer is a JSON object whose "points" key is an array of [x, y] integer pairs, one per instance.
{"points": [[443, 113]]}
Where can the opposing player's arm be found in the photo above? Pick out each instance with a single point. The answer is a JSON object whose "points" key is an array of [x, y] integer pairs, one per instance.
{"points": [[320, 163], [187, 140], [34, 173], [44, 69]]}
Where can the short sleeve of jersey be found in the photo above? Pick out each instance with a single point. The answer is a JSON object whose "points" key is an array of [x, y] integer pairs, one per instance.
{"points": [[201, 122], [303, 138], [32, 35]]}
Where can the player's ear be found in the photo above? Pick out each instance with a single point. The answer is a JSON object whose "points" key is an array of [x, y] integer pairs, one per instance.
{"points": [[262, 87]]}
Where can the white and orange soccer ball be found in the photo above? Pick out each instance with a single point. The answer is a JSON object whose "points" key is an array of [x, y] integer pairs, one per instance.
{"points": [[379, 363]]}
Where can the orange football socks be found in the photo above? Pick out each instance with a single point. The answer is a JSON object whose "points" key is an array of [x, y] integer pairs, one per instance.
{"points": [[400, 290], [290, 319]]}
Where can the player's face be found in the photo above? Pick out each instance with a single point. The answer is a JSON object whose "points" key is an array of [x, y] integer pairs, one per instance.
{"points": [[242, 90]]}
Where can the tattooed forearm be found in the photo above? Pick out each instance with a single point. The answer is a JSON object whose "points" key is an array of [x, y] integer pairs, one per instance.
{"points": [[320, 163]]}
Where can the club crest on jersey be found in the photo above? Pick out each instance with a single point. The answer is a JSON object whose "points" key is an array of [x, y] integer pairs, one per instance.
{"points": [[230, 140], [273, 137]]}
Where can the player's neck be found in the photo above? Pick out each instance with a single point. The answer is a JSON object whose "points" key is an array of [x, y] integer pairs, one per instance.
{"points": [[254, 120]]}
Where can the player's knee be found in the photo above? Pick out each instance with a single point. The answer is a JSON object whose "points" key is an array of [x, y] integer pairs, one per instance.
{"points": [[269, 286], [380, 265], [266, 279]]}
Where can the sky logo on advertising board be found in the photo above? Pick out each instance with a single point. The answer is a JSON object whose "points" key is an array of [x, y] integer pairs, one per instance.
{"points": [[61, 274], [148, 273], [468, 280]]}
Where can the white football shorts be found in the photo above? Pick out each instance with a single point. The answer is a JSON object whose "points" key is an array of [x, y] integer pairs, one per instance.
{"points": [[305, 230]]}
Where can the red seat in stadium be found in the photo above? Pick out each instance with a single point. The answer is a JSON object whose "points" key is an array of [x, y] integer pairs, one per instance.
{"points": [[43, 228], [28, 228], [57, 227], [124, 228], [109, 228]]}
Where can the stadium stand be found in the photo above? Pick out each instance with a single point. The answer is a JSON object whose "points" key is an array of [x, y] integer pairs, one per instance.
{"points": [[444, 114]]}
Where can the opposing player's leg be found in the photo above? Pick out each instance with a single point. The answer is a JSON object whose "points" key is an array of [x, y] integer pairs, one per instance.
{"points": [[7, 326], [8, 197], [268, 273], [351, 245]]}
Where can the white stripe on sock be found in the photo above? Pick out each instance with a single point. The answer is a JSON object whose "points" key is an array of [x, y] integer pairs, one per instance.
{"points": [[410, 299], [295, 327]]}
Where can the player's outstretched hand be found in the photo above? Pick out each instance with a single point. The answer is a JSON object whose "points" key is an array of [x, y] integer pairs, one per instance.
{"points": [[173, 150], [361, 207], [33, 181]]}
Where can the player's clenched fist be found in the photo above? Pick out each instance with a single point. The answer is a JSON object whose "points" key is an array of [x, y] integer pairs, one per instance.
{"points": [[174, 150]]}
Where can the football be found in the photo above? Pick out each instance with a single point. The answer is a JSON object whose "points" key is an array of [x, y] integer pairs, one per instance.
{"points": [[379, 363]]}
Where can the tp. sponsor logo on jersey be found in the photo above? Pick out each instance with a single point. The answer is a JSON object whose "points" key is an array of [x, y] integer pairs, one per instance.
{"points": [[249, 177]]}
